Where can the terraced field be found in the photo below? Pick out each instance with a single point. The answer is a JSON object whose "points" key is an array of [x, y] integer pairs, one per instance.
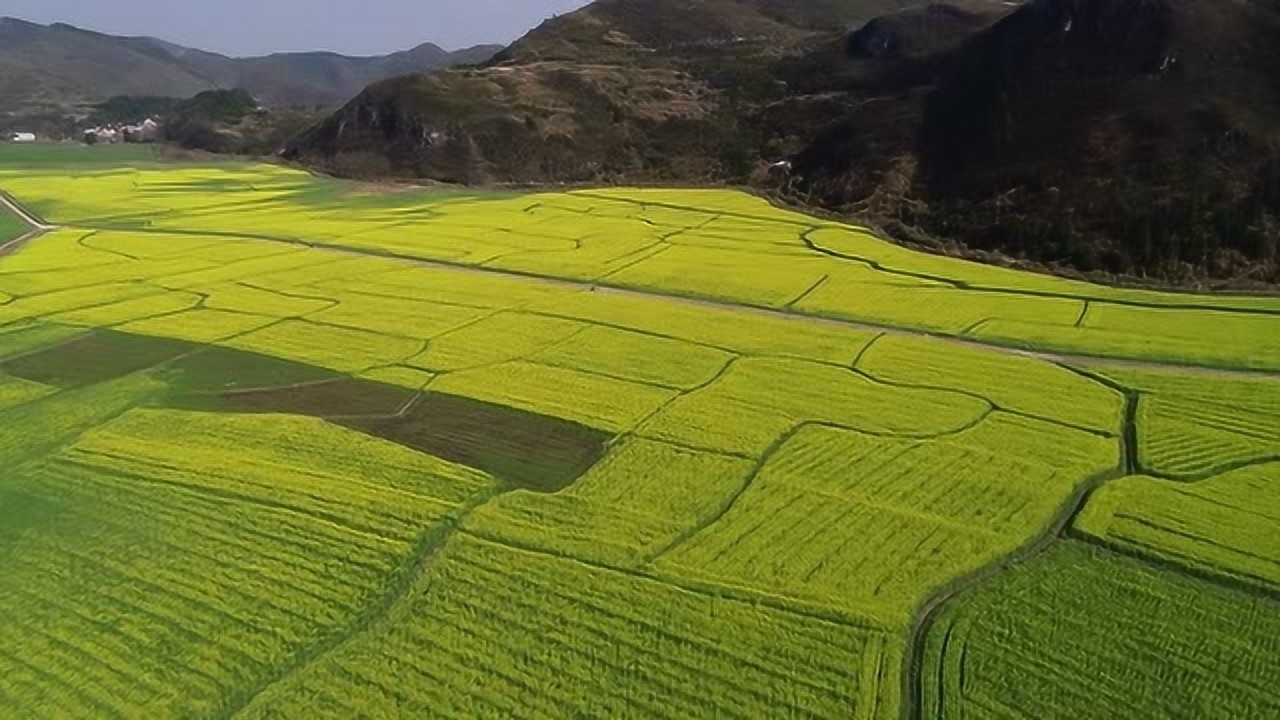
{"points": [[279, 446]]}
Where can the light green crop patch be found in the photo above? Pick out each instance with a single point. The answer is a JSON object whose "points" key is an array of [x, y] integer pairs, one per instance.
{"points": [[766, 494], [1080, 632], [712, 244], [1224, 525], [874, 525]]}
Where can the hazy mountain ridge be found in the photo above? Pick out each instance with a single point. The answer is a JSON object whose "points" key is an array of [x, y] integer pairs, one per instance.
{"points": [[60, 65]]}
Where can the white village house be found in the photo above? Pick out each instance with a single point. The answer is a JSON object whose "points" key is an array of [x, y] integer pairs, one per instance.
{"points": [[22, 137], [144, 132]]}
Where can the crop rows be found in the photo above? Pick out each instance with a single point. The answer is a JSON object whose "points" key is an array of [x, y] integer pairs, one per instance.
{"points": [[1191, 427], [570, 500], [1224, 525], [1015, 384], [628, 507], [1078, 632], [719, 245], [170, 572], [875, 524], [495, 632]]}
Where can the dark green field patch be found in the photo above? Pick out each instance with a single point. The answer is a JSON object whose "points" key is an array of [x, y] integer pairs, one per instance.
{"points": [[17, 340], [20, 512], [527, 450], [1080, 632], [325, 399], [45, 155], [11, 226], [219, 370], [96, 357], [524, 449]]}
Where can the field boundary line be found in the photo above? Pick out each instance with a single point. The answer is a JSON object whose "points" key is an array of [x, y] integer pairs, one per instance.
{"points": [[1008, 347], [832, 615], [1058, 527], [727, 506], [400, 583], [971, 287], [36, 225], [1249, 585]]}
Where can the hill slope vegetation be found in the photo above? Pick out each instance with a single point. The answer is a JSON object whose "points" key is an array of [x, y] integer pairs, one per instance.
{"points": [[58, 65], [1134, 138]]}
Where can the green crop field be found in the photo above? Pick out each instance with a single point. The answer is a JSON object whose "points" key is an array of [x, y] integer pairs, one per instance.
{"points": [[11, 226], [279, 446]]}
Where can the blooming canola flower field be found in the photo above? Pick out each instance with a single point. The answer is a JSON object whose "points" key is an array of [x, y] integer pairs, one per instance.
{"points": [[281, 446]]}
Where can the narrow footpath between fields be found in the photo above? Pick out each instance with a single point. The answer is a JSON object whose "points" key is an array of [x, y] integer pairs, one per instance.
{"points": [[40, 228]]}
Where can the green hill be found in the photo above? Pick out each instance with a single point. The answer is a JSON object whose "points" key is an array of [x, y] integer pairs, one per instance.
{"points": [[60, 65]]}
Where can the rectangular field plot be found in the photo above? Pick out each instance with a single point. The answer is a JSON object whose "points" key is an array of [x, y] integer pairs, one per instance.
{"points": [[499, 338], [494, 632], [942, 309], [250, 299], [523, 449], [94, 357], [1017, 384], [24, 338], [140, 308], [295, 463], [16, 391], [1079, 632], [199, 326], [331, 400], [639, 357], [37, 306], [328, 346], [872, 525], [40, 425], [632, 504], [734, 275], [1238, 339], [1225, 525], [396, 316], [757, 399], [165, 574], [1194, 426], [1245, 341], [747, 333], [593, 400], [213, 369]]}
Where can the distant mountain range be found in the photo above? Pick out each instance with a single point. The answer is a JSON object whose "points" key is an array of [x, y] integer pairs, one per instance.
{"points": [[51, 66], [1134, 137]]}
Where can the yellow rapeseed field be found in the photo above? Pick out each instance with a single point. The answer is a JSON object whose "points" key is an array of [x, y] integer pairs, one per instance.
{"points": [[282, 446]]}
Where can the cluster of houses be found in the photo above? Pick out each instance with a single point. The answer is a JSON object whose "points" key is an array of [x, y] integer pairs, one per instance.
{"points": [[144, 132]]}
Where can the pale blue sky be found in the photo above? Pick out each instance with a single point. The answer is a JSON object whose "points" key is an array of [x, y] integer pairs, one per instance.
{"points": [[254, 27]]}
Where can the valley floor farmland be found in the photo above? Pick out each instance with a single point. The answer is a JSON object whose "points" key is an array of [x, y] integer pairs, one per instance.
{"points": [[278, 446]]}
